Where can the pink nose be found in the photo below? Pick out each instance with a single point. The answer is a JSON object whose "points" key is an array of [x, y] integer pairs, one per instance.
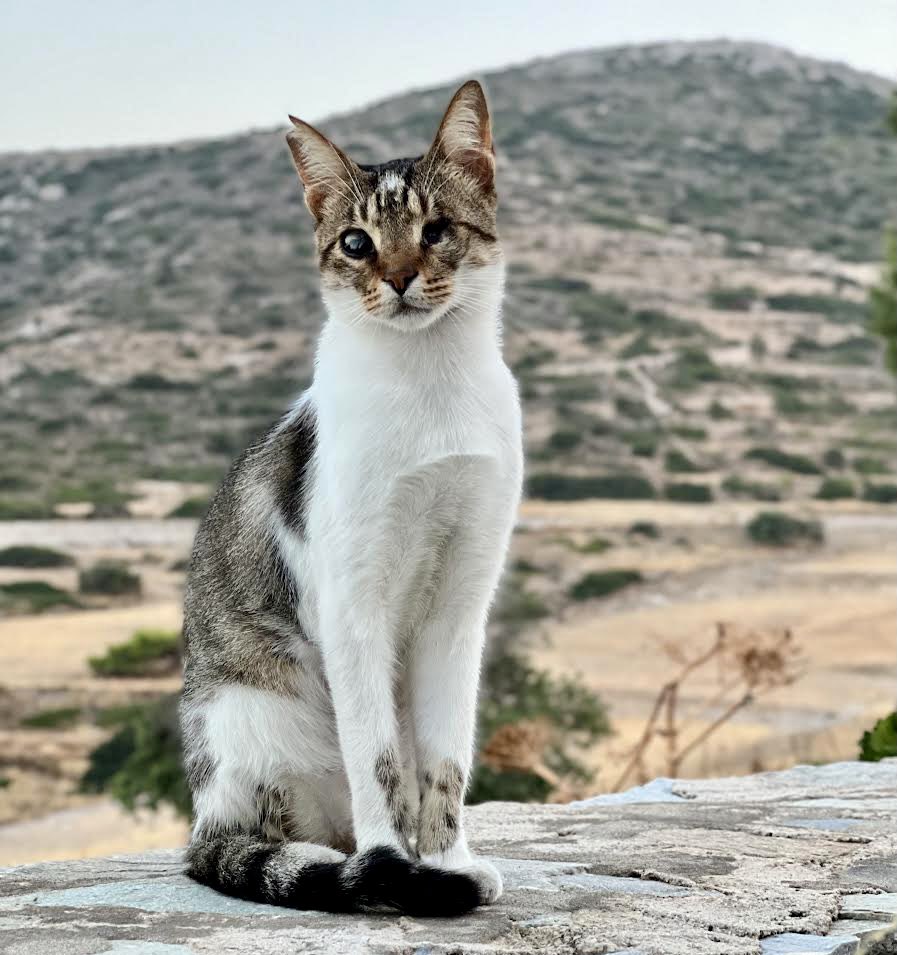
{"points": [[400, 279]]}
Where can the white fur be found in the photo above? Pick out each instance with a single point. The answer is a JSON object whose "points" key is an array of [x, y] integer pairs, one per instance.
{"points": [[416, 485]]}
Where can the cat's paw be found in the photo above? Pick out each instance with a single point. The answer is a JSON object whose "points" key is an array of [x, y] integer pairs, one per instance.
{"points": [[487, 878], [462, 860]]}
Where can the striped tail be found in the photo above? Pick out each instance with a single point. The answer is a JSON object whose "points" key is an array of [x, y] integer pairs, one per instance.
{"points": [[302, 875]]}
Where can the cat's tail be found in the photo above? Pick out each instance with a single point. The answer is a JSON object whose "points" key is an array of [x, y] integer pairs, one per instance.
{"points": [[302, 875]]}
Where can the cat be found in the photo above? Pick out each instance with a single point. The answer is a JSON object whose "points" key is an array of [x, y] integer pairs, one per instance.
{"points": [[336, 603]]}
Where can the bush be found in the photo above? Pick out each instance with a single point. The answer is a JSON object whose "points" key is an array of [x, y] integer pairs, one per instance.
{"points": [[192, 507], [643, 443], [108, 577], [25, 510], [568, 487], [141, 763], [836, 489], [564, 440], [516, 605], [34, 596], [755, 490], [733, 298], [147, 653], [107, 500], [694, 367], [797, 463], [834, 458], [881, 741], [516, 692], [31, 556], [602, 583], [867, 465], [880, 493], [678, 462], [774, 529], [153, 381], [596, 545], [719, 412], [644, 529], [52, 719], [689, 493]]}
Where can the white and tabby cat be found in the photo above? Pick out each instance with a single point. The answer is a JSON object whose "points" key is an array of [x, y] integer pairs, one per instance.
{"points": [[337, 599]]}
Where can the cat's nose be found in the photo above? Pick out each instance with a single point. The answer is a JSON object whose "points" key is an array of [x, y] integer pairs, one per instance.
{"points": [[400, 279]]}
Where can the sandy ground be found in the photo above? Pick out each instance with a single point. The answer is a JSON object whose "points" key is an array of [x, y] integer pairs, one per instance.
{"points": [[839, 599]]}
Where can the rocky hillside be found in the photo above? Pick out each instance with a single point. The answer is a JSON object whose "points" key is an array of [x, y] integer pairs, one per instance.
{"points": [[690, 228]]}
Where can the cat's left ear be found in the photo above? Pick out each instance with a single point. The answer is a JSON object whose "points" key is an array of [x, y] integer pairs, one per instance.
{"points": [[465, 135], [324, 169]]}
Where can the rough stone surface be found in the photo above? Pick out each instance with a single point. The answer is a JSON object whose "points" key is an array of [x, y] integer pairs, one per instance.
{"points": [[803, 861]]}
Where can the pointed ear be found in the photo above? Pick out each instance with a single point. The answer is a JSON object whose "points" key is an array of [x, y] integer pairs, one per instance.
{"points": [[323, 168], [465, 135]]}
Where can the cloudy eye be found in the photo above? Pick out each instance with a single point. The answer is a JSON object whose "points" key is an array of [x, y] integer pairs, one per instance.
{"points": [[356, 243], [434, 231]]}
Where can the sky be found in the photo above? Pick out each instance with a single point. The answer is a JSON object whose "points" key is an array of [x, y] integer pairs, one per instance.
{"points": [[119, 72]]}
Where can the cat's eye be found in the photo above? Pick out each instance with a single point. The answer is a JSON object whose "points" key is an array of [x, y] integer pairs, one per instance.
{"points": [[434, 231], [356, 243]]}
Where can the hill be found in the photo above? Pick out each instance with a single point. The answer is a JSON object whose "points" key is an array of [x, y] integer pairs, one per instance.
{"points": [[689, 227]]}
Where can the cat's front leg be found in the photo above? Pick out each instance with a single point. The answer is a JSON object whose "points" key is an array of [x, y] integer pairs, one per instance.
{"points": [[445, 675], [358, 655]]}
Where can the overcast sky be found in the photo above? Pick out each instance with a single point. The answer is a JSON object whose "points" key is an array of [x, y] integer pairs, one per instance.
{"points": [[112, 72]]}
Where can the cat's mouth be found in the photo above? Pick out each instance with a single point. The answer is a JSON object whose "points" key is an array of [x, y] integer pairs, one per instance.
{"points": [[406, 308]]}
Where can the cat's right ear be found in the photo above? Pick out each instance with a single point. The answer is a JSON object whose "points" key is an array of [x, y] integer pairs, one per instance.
{"points": [[324, 169]]}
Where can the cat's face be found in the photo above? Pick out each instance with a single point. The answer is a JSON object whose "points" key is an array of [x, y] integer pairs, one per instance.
{"points": [[405, 242]]}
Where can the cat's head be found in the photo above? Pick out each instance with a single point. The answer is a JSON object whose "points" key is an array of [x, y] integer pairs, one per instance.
{"points": [[407, 241]]}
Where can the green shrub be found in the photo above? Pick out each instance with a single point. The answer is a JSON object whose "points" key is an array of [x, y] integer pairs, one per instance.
{"points": [[880, 493], [733, 298], [108, 577], [18, 509], [533, 359], [644, 529], [719, 412], [694, 367], [640, 345], [192, 507], [61, 718], [600, 583], [147, 653], [596, 545], [34, 596], [564, 440], [689, 432], [834, 458], [29, 555], [881, 741], [775, 529], [680, 463], [755, 490], [835, 489], [515, 692], [868, 465], [153, 381], [688, 493], [568, 487], [141, 763], [797, 463], [836, 308], [107, 500], [631, 407], [643, 443]]}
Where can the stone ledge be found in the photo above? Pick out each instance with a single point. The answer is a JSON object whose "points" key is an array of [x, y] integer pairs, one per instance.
{"points": [[801, 861]]}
